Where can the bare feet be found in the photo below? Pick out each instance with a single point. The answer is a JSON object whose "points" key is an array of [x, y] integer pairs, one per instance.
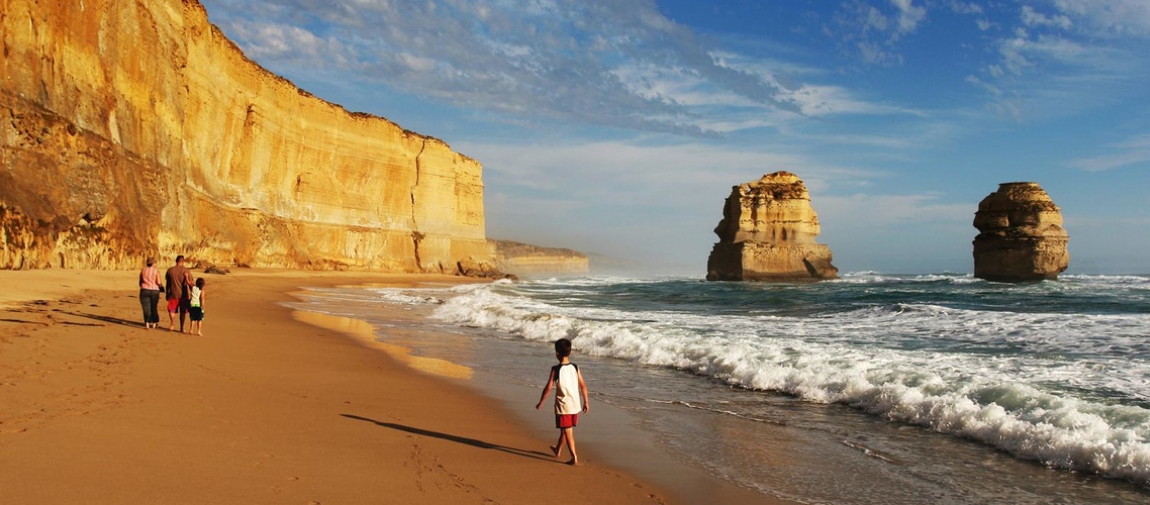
{"points": [[555, 449], [200, 333], [573, 462]]}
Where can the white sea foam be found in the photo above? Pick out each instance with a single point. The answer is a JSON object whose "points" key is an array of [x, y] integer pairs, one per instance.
{"points": [[591, 281], [916, 363], [1111, 279], [402, 296], [868, 277]]}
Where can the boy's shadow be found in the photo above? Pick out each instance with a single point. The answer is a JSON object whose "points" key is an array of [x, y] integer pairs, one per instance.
{"points": [[458, 439]]}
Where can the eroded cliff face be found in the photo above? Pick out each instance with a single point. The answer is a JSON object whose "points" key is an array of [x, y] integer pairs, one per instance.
{"points": [[1020, 237], [130, 129], [526, 259], [768, 233]]}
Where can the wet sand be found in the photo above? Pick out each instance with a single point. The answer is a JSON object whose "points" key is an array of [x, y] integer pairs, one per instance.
{"points": [[264, 408]]}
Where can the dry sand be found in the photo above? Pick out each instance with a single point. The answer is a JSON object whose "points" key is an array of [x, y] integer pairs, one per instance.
{"points": [[261, 409]]}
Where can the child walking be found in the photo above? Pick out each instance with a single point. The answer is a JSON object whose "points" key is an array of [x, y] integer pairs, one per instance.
{"points": [[569, 389], [196, 307]]}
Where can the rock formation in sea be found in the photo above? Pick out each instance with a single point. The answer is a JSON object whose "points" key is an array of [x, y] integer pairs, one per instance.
{"points": [[1020, 237], [131, 129], [526, 259], [768, 233]]}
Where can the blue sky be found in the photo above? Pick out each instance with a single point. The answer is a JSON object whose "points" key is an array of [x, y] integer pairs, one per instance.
{"points": [[619, 127]]}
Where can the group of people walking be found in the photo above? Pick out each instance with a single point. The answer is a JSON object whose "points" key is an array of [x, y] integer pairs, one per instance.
{"points": [[185, 296]]}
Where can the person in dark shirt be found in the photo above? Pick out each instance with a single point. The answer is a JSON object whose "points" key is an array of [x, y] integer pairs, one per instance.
{"points": [[178, 280]]}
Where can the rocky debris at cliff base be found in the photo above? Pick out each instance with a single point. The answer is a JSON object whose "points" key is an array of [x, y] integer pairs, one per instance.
{"points": [[216, 269], [1021, 237], [768, 233], [469, 267]]}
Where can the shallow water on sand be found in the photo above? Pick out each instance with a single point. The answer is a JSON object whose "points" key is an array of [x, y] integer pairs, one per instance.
{"points": [[876, 389]]}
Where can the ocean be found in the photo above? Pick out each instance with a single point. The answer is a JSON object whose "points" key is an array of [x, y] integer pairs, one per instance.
{"points": [[871, 389]]}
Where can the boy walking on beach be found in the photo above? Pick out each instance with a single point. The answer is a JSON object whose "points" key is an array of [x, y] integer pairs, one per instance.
{"points": [[196, 307], [569, 389]]}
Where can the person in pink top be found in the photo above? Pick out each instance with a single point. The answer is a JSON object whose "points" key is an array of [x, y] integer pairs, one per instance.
{"points": [[150, 293]]}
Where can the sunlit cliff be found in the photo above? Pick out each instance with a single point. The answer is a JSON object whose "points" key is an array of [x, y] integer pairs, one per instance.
{"points": [[130, 129]]}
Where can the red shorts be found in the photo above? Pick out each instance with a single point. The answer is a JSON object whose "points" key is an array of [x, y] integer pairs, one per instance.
{"points": [[178, 305], [566, 420]]}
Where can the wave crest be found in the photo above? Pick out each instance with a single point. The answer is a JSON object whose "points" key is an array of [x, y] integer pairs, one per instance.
{"points": [[984, 398]]}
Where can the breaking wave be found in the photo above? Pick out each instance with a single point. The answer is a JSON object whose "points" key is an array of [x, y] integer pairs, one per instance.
{"points": [[1070, 392]]}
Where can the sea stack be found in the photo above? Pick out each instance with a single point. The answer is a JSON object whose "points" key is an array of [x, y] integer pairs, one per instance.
{"points": [[1020, 237], [768, 234]]}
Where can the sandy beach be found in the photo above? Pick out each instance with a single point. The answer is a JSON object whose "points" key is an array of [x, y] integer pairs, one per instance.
{"points": [[263, 408]]}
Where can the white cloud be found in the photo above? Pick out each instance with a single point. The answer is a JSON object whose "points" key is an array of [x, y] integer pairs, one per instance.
{"points": [[1110, 17], [558, 59], [1031, 17], [882, 210], [874, 53], [280, 41], [1049, 65], [825, 100], [961, 7], [875, 19], [1131, 152], [873, 35], [982, 20], [909, 15], [1026, 50], [416, 63], [811, 99]]}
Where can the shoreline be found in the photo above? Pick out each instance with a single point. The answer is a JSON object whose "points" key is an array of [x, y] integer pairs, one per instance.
{"points": [[261, 409], [611, 435]]}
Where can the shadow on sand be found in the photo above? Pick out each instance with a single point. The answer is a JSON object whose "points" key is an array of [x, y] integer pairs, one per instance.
{"points": [[106, 319], [21, 321], [458, 439]]}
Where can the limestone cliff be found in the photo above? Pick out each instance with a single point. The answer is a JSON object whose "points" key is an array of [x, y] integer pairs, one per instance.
{"points": [[525, 259], [1020, 237], [768, 233], [130, 129]]}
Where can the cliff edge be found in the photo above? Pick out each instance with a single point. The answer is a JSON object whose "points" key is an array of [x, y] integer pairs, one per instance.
{"points": [[132, 129], [768, 233], [526, 259]]}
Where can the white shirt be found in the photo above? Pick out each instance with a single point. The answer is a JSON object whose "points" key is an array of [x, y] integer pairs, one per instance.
{"points": [[567, 400]]}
